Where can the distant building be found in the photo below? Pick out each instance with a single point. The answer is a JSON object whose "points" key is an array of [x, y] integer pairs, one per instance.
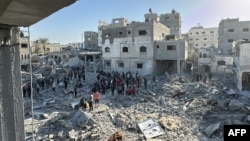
{"points": [[90, 40], [24, 52], [232, 30], [199, 37]]}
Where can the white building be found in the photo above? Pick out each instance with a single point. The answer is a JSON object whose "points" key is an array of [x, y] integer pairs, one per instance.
{"points": [[242, 65], [131, 46], [199, 37]]}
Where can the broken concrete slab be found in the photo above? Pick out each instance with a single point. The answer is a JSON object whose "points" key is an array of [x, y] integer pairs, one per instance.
{"points": [[223, 103], [245, 93], [214, 91], [81, 118], [230, 92], [245, 100], [150, 128], [235, 105], [211, 129], [170, 123], [101, 108]]}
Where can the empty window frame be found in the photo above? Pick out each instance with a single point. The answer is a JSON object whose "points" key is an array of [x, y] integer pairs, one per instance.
{"points": [[129, 32], [120, 65], [205, 38], [230, 30], [139, 66], [245, 29], [196, 32], [157, 46], [230, 40], [107, 63], [125, 49], [212, 32], [203, 32], [142, 32], [171, 47], [24, 45], [204, 55], [107, 49], [143, 49]]}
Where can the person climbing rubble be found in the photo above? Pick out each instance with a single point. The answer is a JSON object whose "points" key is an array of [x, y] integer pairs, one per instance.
{"points": [[97, 97], [83, 104]]}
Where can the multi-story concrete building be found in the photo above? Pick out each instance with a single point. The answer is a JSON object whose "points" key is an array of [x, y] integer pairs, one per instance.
{"points": [[242, 64], [199, 37], [91, 40], [232, 30], [24, 52], [170, 55], [204, 60], [130, 46], [172, 21], [212, 60]]}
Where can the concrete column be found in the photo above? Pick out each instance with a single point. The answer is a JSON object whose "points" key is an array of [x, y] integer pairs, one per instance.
{"points": [[239, 76], [178, 59], [11, 99]]}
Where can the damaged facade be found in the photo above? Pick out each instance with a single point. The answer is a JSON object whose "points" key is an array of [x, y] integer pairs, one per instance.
{"points": [[242, 65], [220, 59], [134, 46], [91, 40]]}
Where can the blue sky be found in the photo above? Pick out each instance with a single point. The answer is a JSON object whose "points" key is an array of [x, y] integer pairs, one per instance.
{"points": [[68, 24]]}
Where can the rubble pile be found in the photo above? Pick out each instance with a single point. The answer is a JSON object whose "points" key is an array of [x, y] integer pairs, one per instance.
{"points": [[173, 108]]}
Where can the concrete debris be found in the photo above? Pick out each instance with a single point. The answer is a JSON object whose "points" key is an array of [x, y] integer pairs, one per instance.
{"points": [[235, 105], [212, 128], [245, 93], [230, 92], [117, 136], [172, 107], [214, 91], [150, 128], [170, 123]]}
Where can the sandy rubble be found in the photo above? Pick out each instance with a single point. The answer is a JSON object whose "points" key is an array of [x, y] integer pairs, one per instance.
{"points": [[196, 113]]}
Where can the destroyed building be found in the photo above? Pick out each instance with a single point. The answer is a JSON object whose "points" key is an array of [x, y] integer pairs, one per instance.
{"points": [[134, 46], [242, 65], [91, 40]]}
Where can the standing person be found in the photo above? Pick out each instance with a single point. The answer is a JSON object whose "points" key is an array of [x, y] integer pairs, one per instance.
{"points": [[113, 89], [123, 88], [37, 88], [97, 97], [103, 87], [24, 91], [75, 91], [53, 86], [90, 101], [65, 83], [82, 104], [145, 82]]}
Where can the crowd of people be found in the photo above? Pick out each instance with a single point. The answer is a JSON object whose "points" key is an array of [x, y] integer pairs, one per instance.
{"points": [[115, 83]]}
